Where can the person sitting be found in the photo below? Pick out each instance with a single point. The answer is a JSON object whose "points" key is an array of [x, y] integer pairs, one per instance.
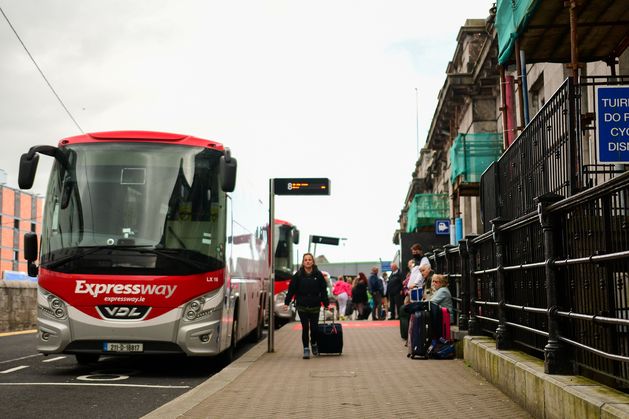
{"points": [[442, 295]]}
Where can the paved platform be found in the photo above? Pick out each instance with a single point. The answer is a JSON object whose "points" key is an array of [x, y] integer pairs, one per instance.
{"points": [[373, 378]]}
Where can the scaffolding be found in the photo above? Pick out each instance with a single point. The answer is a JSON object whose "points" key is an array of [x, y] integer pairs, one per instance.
{"points": [[471, 154], [425, 209]]}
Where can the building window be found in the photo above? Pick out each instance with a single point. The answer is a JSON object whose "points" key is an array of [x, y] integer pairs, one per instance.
{"points": [[33, 227], [16, 224], [537, 98], [16, 255]]}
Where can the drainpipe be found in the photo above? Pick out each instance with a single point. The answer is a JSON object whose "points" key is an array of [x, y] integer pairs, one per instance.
{"points": [[525, 88], [519, 83], [574, 52]]}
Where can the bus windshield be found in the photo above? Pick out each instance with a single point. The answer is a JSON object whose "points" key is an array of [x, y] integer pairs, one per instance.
{"points": [[134, 208]]}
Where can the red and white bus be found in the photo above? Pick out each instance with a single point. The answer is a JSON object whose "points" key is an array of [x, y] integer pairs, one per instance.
{"points": [[147, 247], [286, 237]]}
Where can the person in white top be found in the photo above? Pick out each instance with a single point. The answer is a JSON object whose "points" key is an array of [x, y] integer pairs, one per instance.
{"points": [[417, 279]]}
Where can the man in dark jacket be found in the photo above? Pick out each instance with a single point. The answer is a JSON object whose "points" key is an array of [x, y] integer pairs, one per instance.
{"points": [[394, 291], [377, 291]]}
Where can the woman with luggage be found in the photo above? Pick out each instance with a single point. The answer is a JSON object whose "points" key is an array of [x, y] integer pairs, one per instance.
{"points": [[310, 291]]}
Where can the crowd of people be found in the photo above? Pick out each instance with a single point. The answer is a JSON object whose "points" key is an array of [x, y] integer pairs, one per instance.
{"points": [[379, 297]]}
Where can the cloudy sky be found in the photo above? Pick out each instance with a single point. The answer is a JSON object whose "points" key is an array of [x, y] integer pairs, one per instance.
{"points": [[295, 88]]}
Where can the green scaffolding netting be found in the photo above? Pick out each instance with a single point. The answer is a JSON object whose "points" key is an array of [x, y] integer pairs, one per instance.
{"points": [[512, 16], [471, 154], [425, 209]]}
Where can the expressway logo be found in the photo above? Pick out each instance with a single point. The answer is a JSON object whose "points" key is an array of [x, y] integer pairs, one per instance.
{"points": [[94, 289], [123, 312]]}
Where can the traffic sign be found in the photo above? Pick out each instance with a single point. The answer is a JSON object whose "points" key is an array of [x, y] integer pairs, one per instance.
{"points": [[334, 241], [612, 125], [301, 186], [442, 227]]}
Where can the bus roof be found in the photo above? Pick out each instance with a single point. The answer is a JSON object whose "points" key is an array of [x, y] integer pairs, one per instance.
{"points": [[139, 136]]}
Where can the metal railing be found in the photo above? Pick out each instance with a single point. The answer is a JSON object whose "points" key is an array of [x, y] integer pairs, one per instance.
{"points": [[551, 273]]}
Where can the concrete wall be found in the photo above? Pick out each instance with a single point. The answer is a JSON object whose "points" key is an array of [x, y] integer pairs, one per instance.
{"points": [[18, 305], [522, 378]]}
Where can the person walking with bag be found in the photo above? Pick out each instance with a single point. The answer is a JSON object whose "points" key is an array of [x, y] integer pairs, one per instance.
{"points": [[310, 291]]}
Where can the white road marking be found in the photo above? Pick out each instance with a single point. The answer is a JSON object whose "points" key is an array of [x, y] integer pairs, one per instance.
{"points": [[21, 358], [21, 367], [92, 384], [54, 359]]}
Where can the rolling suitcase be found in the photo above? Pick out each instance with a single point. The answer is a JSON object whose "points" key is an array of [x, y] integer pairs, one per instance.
{"points": [[446, 332], [419, 334], [330, 337]]}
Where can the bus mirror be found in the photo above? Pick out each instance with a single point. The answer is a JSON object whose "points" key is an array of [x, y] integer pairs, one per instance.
{"points": [[28, 168], [30, 246], [295, 236], [227, 168]]}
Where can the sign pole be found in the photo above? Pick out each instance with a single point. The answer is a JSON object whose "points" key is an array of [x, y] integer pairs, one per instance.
{"points": [[271, 334], [286, 186]]}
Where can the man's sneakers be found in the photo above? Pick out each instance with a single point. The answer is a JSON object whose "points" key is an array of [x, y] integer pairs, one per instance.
{"points": [[306, 353], [315, 350]]}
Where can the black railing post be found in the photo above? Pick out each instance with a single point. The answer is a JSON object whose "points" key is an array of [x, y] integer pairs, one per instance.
{"points": [[473, 325], [463, 290], [438, 268], [503, 340], [573, 136], [555, 359]]}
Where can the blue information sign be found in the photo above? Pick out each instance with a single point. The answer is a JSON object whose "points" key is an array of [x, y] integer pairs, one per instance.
{"points": [[442, 227], [612, 124]]}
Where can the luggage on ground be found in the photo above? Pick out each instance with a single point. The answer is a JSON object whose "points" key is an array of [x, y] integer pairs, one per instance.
{"points": [[419, 334], [330, 337], [446, 332], [444, 349]]}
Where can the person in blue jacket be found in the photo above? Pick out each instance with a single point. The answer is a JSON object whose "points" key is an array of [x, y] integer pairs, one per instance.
{"points": [[377, 292], [310, 291]]}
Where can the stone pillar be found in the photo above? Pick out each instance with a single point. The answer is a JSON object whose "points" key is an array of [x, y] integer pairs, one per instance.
{"points": [[555, 358]]}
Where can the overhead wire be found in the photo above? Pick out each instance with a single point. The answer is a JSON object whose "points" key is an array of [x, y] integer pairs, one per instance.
{"points": [[41, 72]]}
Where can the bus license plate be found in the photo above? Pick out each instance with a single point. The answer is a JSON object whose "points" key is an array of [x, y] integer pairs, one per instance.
{"points": [[123, 347]]}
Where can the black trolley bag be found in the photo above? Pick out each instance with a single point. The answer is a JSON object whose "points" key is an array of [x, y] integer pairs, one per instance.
{"points": [[419, 330], [330, 336]]}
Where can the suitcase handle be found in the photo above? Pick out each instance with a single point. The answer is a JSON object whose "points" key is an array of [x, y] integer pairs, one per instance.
{"points": [[333, 314]]}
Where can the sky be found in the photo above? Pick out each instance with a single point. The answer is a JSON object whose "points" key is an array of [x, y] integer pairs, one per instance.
{"points": [[341, 89]]}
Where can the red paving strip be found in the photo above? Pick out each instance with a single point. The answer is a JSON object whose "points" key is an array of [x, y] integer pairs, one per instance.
{"points": [[367, 324]]}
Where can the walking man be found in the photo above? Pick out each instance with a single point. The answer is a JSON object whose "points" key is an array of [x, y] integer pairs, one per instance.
{"points": [[377, 291]]}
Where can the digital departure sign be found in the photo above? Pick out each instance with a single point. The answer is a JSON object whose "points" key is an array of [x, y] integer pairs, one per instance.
{"points": [[301, 186]]}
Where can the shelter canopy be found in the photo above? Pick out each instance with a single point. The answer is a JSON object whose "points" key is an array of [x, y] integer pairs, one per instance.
{"points": [[543, 28]]}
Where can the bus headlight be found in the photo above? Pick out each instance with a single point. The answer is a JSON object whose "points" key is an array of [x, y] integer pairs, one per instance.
{"points": [[203, 306], [52, 305], [280, 297]]}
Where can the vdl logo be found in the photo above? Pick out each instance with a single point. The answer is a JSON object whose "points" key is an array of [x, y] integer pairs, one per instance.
{"points": [[123, 312]]}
